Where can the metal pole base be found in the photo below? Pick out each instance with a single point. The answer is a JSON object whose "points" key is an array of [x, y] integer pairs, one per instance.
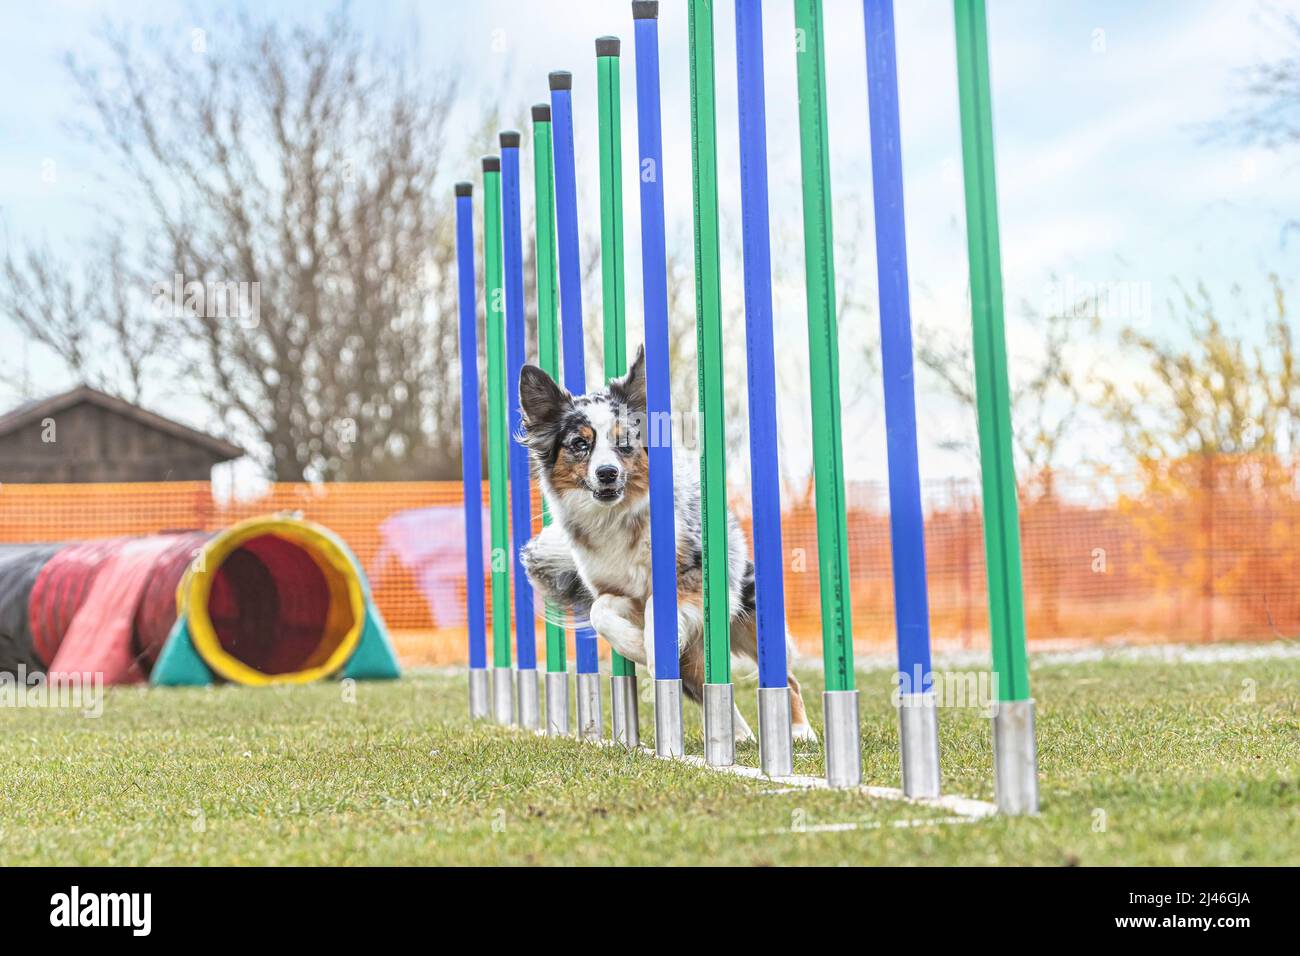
{"points": [[918, 739], [719, 725], [590, 724], [557, 704], [530, 712], [480, 698], [1015, 758], [668, 719], [503, 695], [843, 738], [625, 718], [775, 738]]}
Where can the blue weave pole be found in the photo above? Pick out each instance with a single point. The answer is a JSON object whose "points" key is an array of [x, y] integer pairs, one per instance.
{"points": [[570, 270], [906, 521], [521, 521], [471, 453], [654, 279], [566, 224], [769, 584]]}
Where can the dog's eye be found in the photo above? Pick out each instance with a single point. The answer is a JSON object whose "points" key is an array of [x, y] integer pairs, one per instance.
{"points": [[626, 449], [579, 446]]}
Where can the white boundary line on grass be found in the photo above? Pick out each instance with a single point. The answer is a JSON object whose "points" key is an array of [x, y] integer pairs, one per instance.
{"points": [[962, 806], [865, 825], [967, 808]]}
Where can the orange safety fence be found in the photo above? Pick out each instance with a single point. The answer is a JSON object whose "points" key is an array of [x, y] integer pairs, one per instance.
{"points": [[1207, 549]]}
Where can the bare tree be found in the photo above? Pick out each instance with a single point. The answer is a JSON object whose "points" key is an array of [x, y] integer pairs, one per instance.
{"points": [[87, 316], [1212, 393], [1045, 403], [51, 305], [1269, 114], [308, 163]]}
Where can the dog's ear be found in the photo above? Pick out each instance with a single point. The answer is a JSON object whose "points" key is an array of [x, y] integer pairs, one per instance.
{"points": [[540, 399], [630, 389]]}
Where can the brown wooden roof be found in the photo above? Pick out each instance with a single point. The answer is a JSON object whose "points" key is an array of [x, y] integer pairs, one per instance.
{"points": [[35, 411]]}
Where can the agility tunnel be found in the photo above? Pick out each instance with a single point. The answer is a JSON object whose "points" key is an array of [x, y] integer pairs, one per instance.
{"points": [[271, 600]]}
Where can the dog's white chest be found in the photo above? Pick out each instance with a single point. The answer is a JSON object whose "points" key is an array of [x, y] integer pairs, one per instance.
{"points": [[617, 563]]}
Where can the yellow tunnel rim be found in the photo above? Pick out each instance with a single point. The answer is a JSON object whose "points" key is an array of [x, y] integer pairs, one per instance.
{"points": [[197, 587]]}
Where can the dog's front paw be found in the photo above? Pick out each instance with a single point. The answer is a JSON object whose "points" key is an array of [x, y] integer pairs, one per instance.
{"points": [[739, 729], [804, 732]]}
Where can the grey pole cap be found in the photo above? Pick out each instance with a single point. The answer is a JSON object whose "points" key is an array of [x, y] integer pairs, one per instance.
{"points": [[491, 164], [541, 113], [561, 80], [645, 9], [510, 138], [608, 46], [464, 189]]}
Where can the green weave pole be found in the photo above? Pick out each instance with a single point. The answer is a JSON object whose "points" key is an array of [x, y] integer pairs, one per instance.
{"points": [[548, 339], [611, 217], [823, 349], [708, 312], [992, 388], [611, 240], [498, 447]]}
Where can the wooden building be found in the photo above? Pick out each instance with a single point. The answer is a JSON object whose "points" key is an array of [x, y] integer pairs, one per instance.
{"points": [[85, 435]]}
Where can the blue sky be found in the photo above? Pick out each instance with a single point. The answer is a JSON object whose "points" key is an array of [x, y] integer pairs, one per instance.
{"points": [[1099, 110]]}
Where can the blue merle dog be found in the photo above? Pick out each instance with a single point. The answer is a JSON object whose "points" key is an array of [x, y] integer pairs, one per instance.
{"points": [[589, 455]]}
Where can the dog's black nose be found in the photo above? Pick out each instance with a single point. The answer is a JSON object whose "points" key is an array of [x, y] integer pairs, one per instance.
{"points": [[607, 474]]}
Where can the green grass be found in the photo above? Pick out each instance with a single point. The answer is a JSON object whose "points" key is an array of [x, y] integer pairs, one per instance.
{"points": [[1185, 767]]}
